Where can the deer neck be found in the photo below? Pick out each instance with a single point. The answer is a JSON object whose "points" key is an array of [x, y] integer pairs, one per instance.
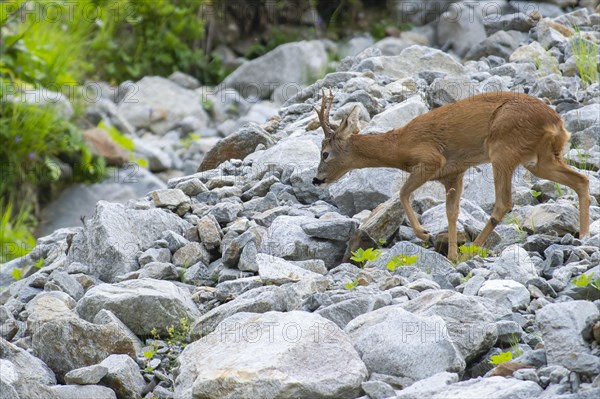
{"points": [[379, 150]]}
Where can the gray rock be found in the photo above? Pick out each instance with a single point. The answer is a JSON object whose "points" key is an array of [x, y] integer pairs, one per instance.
{"points": [[47, 306], [460, 28], [107, 317], [191, 254], [228, 290], [159, 271], [141, 304], [192, 187], [428, 261], [232, 251], [496, 387], [398, 115], [427, 387], [155, 255], [274, 355], [209, 232], [22, 373], [113, 236], [72, 343], [450, 89], [286, 239], [534, 52], [507, 293], [515, 264], [68, 284], [500, 44], [90, 375], [258, 300], [378, 389], [339, 229], [547, 87], [365, 189], [411, 62], [582, 118], [169, 197], [159, 105], [563, 326], [123, 377], [236, 146], [517, 21], [184, 80], [471, 220], [416, 355], [225, 212], [469, 320], [295, 64], [347, 306], [83, 391], [557, 218], [274, 270], [260, 189]]}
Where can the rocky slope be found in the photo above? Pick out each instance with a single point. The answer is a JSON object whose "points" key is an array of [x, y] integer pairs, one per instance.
{"points": [[232, 281]]}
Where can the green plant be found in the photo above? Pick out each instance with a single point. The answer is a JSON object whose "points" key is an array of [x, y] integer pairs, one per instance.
{"points": [[16, 238], [514, 345], [179, 336], [466, 278], [187, 142], [401, 260], [381, 243], [535, 194], [583, 280], [558, 189], [500, 358], [124, 142], [350, 285], [586, 58], [39, 263], [362, 256], [466, 252], [516, 225]]}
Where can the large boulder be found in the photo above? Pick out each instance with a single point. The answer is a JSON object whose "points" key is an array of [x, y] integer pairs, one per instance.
{"points": [[236, 146], [22, 374], [72, 343], [396, 342], [411, 62], [470, 320], [564, 326], [292, 64], [286, 238], [365, 189], [113, 236], [284, 355], [159, 104], [142, 304], [398, 115]]}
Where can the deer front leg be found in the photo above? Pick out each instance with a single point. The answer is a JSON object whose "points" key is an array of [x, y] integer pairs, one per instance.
{"points": [[418, 176], [454, 187]]}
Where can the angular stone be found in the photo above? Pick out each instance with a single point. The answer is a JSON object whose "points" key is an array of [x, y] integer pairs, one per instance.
{"points": [[274, 270], [331, 229], [123, 377], [209, 232], [395, 342], [141, 304], [83, 391], [72, 343], [470, 320], [191, 254], [90, 375], [284, 355], [507, 293], [114, 235]]}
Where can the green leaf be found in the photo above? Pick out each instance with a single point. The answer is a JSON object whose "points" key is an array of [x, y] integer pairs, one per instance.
{"points": [[17, 273], [149, 354], [501, 358], [583, 280]]}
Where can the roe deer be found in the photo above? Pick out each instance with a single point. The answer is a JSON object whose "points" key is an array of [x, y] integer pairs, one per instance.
{"points": [[504, 128]]}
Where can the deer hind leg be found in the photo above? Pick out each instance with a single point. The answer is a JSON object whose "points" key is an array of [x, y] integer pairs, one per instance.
{"points": [[503, 190], [454, 187], [419, 175], [553, 168]]}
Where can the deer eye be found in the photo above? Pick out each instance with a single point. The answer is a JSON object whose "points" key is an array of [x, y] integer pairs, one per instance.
{"points": [[325, 155]]}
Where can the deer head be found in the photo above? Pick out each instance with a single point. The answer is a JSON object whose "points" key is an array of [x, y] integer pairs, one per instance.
{"points": [[335, 150]]}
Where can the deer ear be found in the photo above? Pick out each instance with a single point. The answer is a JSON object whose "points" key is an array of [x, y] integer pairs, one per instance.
{"points": [[349, 124]]}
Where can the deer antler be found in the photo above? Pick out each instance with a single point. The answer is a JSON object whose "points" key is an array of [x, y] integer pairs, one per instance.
{"points": [[323, 113]]}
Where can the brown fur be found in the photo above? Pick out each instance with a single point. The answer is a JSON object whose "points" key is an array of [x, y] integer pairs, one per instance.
{"points": [[506, 129]]}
